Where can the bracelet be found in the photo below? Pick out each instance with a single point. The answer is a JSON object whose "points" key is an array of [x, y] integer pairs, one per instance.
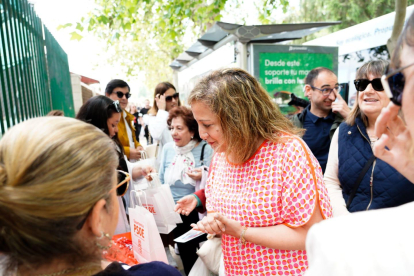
{"points": [[242, 239], [199, 204]]}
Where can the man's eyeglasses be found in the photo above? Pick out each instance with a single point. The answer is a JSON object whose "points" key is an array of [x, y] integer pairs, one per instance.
{"points": [[121, 189], [361, 84], [327, 91], [116, 106], [121, 95], [394, 83], [175, 96]]}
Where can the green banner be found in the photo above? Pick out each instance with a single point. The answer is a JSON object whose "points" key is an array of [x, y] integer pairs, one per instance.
{"points": [[287, 71], [281, 69]]}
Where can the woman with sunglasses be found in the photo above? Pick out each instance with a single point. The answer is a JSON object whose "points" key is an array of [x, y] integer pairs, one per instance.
{"points": [[165, 98], [355, 179], [105, 114], [57, 173]]}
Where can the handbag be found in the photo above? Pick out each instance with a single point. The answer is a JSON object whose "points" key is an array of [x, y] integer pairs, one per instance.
{"points": [[200, 269], [211, 253]]}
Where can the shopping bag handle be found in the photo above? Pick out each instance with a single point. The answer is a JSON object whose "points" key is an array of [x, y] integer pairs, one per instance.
{"points": [[155, 182], [137, 200], [144, 155]]}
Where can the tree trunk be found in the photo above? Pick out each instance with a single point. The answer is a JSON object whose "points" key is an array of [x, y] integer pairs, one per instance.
{"points": [[400, 10]]}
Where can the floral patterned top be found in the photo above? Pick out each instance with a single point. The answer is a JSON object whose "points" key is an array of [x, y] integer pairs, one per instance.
{"points": [[279, 184]]}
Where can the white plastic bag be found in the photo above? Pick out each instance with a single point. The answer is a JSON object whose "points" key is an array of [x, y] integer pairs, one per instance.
{"points": [[167, 197], [146, 241], [153, 202]]}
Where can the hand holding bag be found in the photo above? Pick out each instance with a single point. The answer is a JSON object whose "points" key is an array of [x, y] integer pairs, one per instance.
{"points": [[141, 183]]}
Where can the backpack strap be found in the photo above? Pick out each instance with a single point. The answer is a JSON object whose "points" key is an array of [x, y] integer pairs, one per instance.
{"points": [[358, 182]]}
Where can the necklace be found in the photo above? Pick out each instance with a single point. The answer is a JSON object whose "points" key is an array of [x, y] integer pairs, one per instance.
{"points": [[372, 137]]}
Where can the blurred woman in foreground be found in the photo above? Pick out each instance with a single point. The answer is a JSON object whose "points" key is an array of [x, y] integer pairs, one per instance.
{"points": [[58, 200]]}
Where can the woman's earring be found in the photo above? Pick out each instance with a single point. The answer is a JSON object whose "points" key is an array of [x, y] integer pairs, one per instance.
{"points": [[192, 137], [103, 247]]}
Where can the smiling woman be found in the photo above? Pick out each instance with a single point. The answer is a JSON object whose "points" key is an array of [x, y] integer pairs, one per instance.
{"points": [[180, 167], [355, 180]]}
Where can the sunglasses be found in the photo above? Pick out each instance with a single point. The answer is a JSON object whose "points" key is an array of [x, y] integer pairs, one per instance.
{"points": [[123, 183], [175, 96], [116, 106], [361, 84], [121, 189], [394, 83], [121, 95]]}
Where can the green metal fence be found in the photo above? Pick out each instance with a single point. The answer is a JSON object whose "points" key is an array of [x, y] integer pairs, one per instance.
{"points": [[34, 75]]}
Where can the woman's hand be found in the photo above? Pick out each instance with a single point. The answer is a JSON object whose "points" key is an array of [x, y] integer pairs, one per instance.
{"points": [[143, 171], [209, 225], [147, 171], [196, 174], [232, 227], [217, 224], [160, 100], [135, 154], [395, 143], [186, 205]]}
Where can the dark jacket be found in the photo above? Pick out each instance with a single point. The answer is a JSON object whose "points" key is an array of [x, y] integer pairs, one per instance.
{"points": [[389, 187], [147, 269], [299, 119]]}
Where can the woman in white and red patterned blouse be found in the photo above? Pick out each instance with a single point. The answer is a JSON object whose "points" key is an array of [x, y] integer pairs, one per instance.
{"points": [[265, 188]]}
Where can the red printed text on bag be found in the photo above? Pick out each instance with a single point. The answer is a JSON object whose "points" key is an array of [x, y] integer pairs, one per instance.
{"points": [[150, 208], [138, 230]]}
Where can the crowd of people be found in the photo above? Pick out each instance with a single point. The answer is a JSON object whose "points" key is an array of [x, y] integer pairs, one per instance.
{"points": [[270, 185]]}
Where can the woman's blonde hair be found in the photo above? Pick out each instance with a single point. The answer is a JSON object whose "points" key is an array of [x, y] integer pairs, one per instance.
{"points": [[244, 109], [52, 172], [375, 68]]}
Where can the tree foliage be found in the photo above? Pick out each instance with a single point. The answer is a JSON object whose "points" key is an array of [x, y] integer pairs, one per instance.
{"points": [[147, 35], [349, 12]]}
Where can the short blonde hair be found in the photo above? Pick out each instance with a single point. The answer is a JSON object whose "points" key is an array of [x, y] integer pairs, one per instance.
{"points": [[375, 68], [245, 111], [52, 172]]}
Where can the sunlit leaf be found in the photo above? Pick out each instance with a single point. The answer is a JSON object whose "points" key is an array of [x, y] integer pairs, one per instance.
{"points": [[75, 36], [64, 26]]}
